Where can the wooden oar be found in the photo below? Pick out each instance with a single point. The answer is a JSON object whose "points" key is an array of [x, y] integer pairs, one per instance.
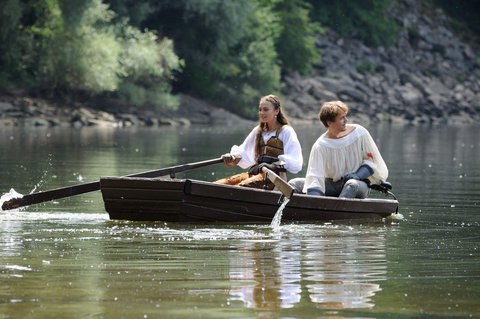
{"points": [[283, 186], [58, 193]]}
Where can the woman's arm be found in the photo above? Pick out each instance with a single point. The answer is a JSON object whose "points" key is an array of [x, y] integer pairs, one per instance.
{"points": [[292, 150], [246, 150]]}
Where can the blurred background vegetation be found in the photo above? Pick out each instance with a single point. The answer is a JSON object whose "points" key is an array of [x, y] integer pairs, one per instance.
{"points": [[147, 51]]}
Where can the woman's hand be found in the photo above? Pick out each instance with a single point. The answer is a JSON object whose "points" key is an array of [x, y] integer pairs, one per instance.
{"points": [[257, 168], [231, 159]]}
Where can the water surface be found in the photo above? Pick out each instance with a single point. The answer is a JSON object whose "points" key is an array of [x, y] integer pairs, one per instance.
{"points": [[66, 259]]}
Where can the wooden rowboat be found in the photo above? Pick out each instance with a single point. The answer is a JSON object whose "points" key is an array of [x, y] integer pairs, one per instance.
{"points": [[193, 201]]}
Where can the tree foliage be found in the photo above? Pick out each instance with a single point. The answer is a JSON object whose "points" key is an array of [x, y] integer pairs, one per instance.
{"points": [[296, 43], [228, 52], [466, 12], [10, 51], [75, 45], [234, 51], [228, 48], [364, 19]]}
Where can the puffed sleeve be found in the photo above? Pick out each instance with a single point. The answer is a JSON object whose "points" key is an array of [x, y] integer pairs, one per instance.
{"points": [[373, 158], [292, 150], [246, 150], [315, 177]]}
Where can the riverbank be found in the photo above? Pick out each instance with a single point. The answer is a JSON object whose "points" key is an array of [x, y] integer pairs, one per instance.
{"points": [[430, 76], [21, 108]]}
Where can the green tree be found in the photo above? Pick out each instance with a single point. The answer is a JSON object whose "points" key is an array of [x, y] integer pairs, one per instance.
{"points": [[228, 48], [296, 44], [234, 51], [252, 68], [148, 65], [137, 11], [10, 49], [465, 12], [75, 45], [364, 19]]}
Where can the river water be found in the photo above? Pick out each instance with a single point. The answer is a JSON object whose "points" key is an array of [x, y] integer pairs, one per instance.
{"points": [[66, 259]]}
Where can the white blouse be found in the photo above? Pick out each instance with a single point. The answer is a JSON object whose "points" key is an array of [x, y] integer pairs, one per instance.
{"points": [[292, 151], [335, 157]]}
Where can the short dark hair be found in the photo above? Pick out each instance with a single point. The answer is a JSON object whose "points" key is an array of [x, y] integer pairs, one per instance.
{"points": [[329, 111]]}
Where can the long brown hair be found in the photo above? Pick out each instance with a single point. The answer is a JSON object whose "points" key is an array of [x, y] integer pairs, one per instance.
{"points": [[263, 127]]}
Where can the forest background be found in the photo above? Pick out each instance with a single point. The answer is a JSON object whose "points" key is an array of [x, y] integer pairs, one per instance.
{"points": [[147, 52]]}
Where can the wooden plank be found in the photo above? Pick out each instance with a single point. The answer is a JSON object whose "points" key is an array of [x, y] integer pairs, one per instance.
{"points": [[202, 213], [143, 205], [215, 209], [145, 183], [143, 210], [233, 193], [368, 205], [141, 193]]}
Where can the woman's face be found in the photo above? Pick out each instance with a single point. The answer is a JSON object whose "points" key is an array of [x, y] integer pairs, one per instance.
{"points": [[267, 112]]}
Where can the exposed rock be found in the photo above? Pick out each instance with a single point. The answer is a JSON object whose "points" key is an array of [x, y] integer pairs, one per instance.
{"points": [[18, 109], [428, 76], [8, 122], [200, 112]]}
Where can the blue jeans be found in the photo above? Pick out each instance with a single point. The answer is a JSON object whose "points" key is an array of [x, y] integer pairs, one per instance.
{"points": [[351, 189]]}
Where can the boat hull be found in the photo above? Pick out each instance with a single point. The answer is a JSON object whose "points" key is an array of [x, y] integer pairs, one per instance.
{"points": [[193, 201]]}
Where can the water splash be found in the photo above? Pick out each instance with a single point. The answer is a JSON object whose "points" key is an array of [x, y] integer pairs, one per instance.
{"points": [[44, 175], [275, 224], [78, 177], [8, 196], [14, 194], [56, 217], [396, 216]]}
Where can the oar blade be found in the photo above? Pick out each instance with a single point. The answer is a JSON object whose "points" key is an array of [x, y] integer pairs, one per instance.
{"points": [[13, 203], [282, 185], [45, 196]]}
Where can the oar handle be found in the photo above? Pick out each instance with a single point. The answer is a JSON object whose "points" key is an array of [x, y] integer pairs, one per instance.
{"points": [[283, 186], [177, 169], [58, 193]]}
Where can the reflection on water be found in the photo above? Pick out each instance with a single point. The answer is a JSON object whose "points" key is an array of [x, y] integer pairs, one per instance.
{"points": [[268, 275], [339, 269], [346, 268]]}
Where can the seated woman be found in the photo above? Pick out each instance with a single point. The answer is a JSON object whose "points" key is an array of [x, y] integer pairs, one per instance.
{"points": [[272, 143]]}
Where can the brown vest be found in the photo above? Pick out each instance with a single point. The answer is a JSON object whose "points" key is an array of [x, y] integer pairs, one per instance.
{"points": [[274, 145]]}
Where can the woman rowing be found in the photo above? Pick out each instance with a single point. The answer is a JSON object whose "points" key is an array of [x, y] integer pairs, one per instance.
{"points": [[273, 143]]}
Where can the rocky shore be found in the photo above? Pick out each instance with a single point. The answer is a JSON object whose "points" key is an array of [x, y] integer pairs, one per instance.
{"points": [[20, 109], [429, 76]]}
